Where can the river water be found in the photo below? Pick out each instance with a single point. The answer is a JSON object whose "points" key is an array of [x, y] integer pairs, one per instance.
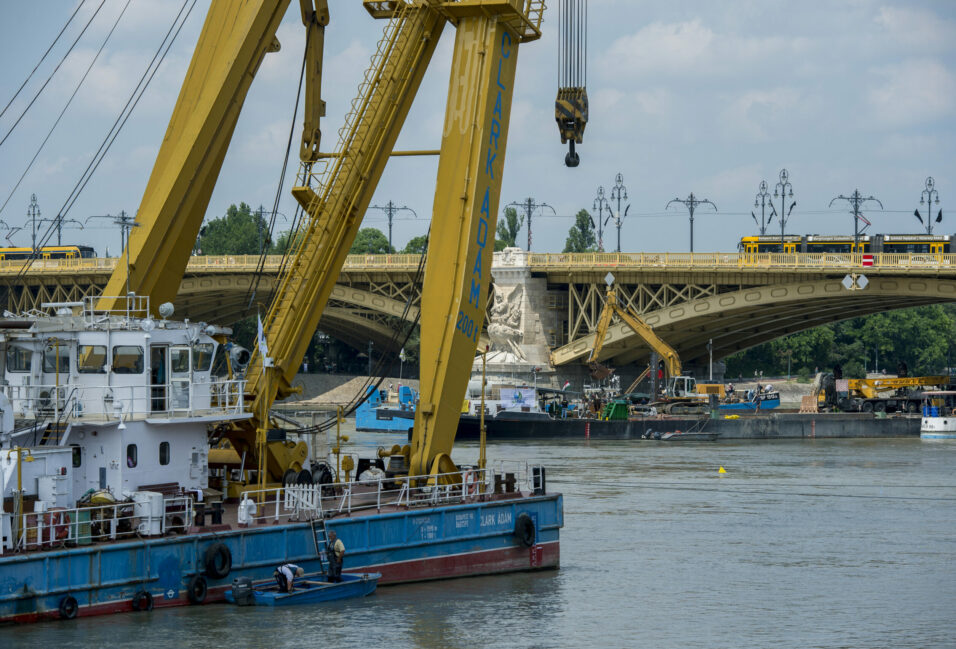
{"points": [[823, 543]]}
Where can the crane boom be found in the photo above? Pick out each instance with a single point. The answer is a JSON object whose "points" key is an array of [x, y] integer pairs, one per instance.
{"points": [[611, 307], [458, 268], [234, 39]]}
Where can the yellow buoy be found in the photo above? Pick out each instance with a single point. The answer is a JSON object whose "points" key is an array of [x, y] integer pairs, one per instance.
{"points": [[721, 470]]}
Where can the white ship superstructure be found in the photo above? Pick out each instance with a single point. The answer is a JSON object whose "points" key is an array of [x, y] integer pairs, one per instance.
{"points": [[132, 400]]}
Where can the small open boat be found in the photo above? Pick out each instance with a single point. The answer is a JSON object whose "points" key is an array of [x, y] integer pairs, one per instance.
{"points": [[307, 591]]}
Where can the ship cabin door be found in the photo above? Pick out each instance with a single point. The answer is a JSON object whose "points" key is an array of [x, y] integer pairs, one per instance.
{"points": [[179, 378], [158, 377]]}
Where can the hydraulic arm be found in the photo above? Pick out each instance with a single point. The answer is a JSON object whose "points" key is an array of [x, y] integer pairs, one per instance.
{"points": [[611, 307]]}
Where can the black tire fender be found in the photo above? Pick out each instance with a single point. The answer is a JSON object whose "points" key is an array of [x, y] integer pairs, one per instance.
{"points": [[143, 601], [196, 589], [524, 530], [218, 561], [68, 608]]}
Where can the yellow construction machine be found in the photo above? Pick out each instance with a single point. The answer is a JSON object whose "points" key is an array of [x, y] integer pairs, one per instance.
{"points": [[334, 191], [681, 395]]}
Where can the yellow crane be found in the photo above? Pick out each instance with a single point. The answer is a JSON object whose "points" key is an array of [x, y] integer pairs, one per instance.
{"points": [[234, 39]]}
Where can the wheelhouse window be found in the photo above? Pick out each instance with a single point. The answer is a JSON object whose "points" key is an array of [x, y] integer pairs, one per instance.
{"points": [[220, 369], [179, 360], [164, 453], [131, 456], [18, 358], [56, 358], [77, 457], [127, 359], [202, 356], [91, 359]]}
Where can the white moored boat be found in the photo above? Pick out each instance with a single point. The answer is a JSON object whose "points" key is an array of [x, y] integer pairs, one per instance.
{"points": [[939, 418]]}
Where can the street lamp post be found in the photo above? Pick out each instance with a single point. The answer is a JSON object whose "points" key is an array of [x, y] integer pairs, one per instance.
{"points": [[601, 204], [856, 201], [390, 210], [761, 201], [781, 190], [691, 203], [927, 198], [619, 193]]}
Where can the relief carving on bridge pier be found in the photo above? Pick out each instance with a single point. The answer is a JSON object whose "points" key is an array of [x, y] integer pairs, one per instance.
{"points": [[504, 324]]}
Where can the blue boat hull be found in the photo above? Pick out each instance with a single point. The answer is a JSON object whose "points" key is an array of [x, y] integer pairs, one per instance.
{"points": [[352, 585], [413, 545]]}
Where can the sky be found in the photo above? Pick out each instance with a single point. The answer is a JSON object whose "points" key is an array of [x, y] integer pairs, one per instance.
{"points": [[693, 96]]}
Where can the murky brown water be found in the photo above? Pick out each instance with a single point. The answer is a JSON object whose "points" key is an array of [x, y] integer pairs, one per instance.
{"points": [[800, 544]]}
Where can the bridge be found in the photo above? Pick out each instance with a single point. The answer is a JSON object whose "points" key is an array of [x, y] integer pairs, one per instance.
{"points": [[735, 300]]}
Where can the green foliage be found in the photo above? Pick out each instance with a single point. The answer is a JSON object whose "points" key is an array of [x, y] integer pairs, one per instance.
{"points": [[508, 227], [919, 337], [370, 241], [239, 232], [281, 246], [500, 245], [416, 246], [581, 237]]}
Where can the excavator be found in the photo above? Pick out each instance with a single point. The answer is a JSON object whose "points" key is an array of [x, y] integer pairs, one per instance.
{"points": [[334, 191], [681, 392]]}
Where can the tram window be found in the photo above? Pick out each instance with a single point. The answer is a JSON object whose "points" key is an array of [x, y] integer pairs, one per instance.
{"points": [[127, 359], [202, 356], [77, 457], [131, 456], [18, 359], [50, 361], [91, 359], [164, 453]]}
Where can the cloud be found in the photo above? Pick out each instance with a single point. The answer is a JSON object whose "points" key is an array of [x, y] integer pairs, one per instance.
{"points": [[912, 92], [914, 29], [756, 114]]}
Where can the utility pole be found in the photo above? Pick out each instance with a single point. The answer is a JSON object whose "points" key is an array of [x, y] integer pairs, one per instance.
{"points": [[761, 201], [619, 193], [529, 207], [781, 190], [390, 210], [32, 213], [58, 223], [856, 200], [259, 226], [600, 204], [691, 203], [927, 198]]}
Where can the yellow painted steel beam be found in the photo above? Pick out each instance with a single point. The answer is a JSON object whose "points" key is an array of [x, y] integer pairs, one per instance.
{"points": [[335, 204], [234, 39], [458, 268]]}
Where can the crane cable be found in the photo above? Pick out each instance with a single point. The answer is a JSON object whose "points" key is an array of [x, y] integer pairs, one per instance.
{"points": [[65, 107], [384, 360], [260, 264], [77, 40], [114, 131], [42, 58]]}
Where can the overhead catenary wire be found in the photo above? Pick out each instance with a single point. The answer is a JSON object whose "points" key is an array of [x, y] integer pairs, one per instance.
{"points": [[117, 127], [65, 107], [49, 78], [43, 58]]}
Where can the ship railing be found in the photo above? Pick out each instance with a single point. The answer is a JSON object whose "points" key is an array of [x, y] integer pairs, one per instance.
{"points": [[59, 527], [308, 501], [178, 398]]}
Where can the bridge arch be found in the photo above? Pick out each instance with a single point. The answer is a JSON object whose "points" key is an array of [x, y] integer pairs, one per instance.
{"points": [[750, 316]]}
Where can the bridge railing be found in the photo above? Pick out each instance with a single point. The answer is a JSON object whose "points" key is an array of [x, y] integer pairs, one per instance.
{"points": [[585, 260], [711, 260]]}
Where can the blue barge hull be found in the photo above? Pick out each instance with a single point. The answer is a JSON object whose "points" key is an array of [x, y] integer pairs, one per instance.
{"points": [[404, 545]]}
